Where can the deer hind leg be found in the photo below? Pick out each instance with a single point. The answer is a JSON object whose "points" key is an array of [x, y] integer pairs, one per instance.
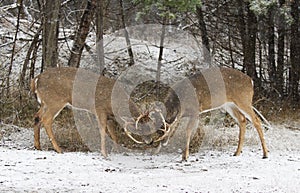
{"points": [[241, 120], [46, 117], [37, 128], [250, 114], [257, 124], [48, 127]]}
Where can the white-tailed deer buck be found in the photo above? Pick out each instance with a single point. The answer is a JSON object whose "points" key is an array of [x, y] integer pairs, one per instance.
{"points": [[214, 88], [59, 87]]}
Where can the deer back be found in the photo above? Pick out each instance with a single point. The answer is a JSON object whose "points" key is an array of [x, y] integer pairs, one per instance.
{"points": [[212, 88], [215, 87], [54, 85]]}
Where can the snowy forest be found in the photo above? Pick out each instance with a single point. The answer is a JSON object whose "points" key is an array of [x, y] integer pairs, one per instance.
{"points": [[157, 42], [260, 38]]}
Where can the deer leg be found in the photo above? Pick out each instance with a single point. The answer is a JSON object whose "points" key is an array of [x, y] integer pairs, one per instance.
{"points": [[166, 141], [37, 128], [102, 123], [185, 153], [257, 125], [157, 149], [110, 128], [46, 117], [189, 129], [241, 119], [49, 131]]}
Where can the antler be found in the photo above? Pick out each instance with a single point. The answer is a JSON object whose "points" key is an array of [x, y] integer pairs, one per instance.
{"points": [[128, 133], [168, 128], [139, 118]]}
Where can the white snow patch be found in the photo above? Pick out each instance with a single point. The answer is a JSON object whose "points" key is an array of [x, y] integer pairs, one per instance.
{"points": [[210, 170]]}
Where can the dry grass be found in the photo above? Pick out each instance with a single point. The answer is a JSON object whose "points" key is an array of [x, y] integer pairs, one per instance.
{"points": [[65, 133], [278, 111]]}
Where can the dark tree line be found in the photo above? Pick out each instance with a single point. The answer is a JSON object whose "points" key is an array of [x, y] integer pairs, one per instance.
{"points": [[261, 38], [262, 41]]}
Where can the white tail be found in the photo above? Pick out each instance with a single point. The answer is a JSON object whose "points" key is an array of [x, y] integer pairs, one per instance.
{"points": [[268, 126]]}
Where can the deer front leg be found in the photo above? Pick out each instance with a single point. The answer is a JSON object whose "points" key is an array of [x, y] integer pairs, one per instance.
{"points": [[37, 128], [111, 130], [102, 124], [185, 153], [189, 129]]}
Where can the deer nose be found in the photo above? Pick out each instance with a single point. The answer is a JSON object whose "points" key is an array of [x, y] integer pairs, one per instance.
{"points": [[149, 140]]}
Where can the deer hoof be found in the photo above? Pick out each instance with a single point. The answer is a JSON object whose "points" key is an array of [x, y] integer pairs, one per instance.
{"points": [[37, 147]]}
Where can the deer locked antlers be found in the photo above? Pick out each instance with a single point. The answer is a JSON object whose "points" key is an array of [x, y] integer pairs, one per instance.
{"points": [[224, 88], [165, 127]]}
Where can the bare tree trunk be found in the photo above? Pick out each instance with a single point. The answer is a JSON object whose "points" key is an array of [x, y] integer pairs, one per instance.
{"points": [[280, 54], [295, 51], [99, 37], [20, 5], [204, 35], [160, 56], [82, 33], [30, 52], [260, 57], [271, 48], [128, 43], [33, 60], [247, 24], [230, 49], [51, 10]]}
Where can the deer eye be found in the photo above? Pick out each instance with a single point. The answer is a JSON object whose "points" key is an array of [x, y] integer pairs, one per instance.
{"points": [[160, 132]]}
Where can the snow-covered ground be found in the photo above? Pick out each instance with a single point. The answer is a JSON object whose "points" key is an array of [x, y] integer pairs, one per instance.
{"points": [[210, 170]]}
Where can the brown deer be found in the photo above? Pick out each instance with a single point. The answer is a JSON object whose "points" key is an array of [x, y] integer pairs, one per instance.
{"points": [[59, 87], [213, 88]]}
